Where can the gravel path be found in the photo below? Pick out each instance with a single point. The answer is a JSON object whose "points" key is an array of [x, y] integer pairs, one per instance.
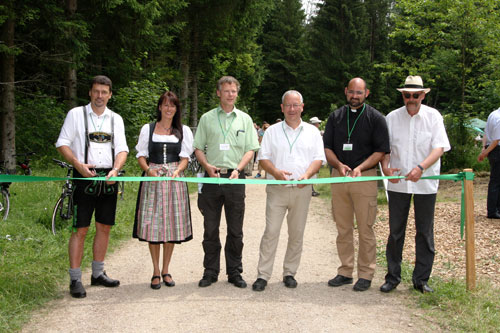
{"points": [[311, 307]]}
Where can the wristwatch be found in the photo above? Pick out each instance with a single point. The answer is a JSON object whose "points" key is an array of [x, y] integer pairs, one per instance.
{"points": [[420, 167], [239, 171], [116, 169]]}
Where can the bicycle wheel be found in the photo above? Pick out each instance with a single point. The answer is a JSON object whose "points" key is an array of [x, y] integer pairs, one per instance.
{"points": [[4, 204], [63, 212]]}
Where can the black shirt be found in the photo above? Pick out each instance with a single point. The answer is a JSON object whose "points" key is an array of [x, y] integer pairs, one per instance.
{"points": [[369, 135]]}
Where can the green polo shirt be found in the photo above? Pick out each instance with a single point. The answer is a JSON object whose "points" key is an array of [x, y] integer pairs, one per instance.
{"points": [[216, 128]]}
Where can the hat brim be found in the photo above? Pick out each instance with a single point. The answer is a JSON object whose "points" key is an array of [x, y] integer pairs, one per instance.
{"points": [[425, 90]]}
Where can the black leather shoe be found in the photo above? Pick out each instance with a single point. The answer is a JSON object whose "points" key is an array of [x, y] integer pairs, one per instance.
{"points": [[259, 285], [362, 285], [207, 280], [494, 216], [76, 289], [155, 286], [339, 280], [104, 280], [168, 284], [315, 194], [423, 288], [290, 281], [237, 281], [388, 287]]}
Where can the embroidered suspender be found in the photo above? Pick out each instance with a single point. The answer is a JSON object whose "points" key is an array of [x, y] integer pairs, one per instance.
{"points": [[87, 138]]}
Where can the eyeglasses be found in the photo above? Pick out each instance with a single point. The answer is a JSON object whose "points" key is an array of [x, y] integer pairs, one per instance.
{"points": [[408, 95], [289, 106]]}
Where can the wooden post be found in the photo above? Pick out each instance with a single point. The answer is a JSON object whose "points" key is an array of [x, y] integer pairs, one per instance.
{"points": [[470, 250]]}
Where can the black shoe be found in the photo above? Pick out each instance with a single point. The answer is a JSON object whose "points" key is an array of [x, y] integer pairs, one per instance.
{"points": [[104, 280], [362, 285], [339, 280], [207, 280], [290, 281], [388, 287], [259, 285], [237, 281], [494, 216], [155, 285], [76, 289], [168, 284], [423, 288], [315, 194]]}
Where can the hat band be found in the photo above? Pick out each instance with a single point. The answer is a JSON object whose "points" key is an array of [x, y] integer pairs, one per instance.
{"points": [[414, 86]]}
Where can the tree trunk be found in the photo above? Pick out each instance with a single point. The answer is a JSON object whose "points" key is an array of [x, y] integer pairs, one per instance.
{"points": [[185, 84], [8, 98], [193, 115], [70, 95]]}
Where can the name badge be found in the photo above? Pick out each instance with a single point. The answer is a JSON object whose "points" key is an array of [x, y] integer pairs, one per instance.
{"points": [[347, 147], [224, 146]]}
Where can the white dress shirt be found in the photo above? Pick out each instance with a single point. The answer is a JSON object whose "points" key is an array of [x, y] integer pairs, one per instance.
{"points": [[73, 135], [492, 130], [143, 143], [292, 150], [412, 140]]}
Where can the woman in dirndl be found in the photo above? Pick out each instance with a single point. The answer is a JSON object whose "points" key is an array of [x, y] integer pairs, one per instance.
{"points": [[163, 214]]}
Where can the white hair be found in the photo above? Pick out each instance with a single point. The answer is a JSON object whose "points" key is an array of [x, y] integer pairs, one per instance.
{"points": [[289, 92]]}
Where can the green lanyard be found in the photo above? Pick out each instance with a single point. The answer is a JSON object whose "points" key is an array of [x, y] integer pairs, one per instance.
{"points": [[231, 124], [102, 122], [349, 131], [287, 139]]}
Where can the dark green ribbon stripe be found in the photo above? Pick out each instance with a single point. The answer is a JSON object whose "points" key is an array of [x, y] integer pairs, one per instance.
{"points": [[461, 176]]}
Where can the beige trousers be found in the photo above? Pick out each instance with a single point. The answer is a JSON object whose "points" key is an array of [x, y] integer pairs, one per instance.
{"points": [[281, 200], [355, 199]]}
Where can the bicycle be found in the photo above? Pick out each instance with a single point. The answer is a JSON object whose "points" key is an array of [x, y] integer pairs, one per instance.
{"points": [[64, 210], [4, 187], [194, 165]]}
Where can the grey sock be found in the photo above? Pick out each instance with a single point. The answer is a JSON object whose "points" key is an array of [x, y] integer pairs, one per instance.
{"points": [[75, 274], [97, 268]]}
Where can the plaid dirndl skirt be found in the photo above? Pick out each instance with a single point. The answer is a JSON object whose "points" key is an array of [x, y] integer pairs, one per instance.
{"points": [[163, 210]]}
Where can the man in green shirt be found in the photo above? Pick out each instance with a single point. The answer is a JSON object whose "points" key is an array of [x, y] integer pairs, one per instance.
{"points": [[224, 144]]}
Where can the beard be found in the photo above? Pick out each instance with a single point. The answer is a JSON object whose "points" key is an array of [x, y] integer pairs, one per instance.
{"points": [[355, 103]]}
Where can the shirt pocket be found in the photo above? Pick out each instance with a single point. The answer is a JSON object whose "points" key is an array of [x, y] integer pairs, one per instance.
{"points": [[423, 142]]}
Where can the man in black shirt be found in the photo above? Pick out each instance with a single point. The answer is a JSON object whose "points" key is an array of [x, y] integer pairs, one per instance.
{"points": [[355, 140]]}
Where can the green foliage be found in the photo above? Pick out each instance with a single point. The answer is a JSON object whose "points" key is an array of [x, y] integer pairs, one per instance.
{"points": [[136, 104], [465, 148], [38, 122], [33, 262]]}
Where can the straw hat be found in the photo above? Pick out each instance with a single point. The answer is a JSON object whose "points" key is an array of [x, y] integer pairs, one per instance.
{"points": [[414, 83], [315, 120]]}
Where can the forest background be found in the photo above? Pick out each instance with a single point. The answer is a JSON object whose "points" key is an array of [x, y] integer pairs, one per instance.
{"points": [[50, 50]]}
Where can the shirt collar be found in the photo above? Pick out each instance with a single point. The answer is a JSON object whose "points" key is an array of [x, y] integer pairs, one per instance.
{"points": [[221, 110], [107, 112], [285, 125]]}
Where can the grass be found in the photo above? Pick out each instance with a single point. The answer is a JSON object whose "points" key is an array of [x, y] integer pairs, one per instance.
{"points": [[33, 262], [451, 306]]}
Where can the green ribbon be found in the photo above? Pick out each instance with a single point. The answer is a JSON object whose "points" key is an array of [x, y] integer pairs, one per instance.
{"points": [[461, 176]]}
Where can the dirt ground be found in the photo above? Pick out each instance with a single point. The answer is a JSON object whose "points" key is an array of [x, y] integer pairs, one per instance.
{"points": [[450, 248], [312, 307]]}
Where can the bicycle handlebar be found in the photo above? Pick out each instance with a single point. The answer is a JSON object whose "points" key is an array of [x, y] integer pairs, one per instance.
{"points": [[62, 164]]}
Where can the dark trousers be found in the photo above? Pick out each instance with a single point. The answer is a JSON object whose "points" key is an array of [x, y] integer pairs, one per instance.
{"points": [[210, 203], [493, 201], [399, 207]]}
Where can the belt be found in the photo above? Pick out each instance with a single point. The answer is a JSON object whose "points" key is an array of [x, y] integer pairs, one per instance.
{"points": [[225, 172]]}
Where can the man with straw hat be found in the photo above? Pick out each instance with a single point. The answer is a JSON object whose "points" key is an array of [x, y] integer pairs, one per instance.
{"points": [[418, 139]]}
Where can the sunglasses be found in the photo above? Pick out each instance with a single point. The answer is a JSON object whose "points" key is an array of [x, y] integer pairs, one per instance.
{"points": [[408, 95]]}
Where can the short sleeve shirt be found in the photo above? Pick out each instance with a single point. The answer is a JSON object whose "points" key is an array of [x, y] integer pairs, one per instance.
{"points": [[369, 134], [412, 140], [492, 130], [291, 149], [225, 138], [73, 135]]}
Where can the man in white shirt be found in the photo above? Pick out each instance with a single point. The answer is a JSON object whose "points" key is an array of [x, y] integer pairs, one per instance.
{"points": [[491, 149], [92, 139], [290, 150], [418, 139]]}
